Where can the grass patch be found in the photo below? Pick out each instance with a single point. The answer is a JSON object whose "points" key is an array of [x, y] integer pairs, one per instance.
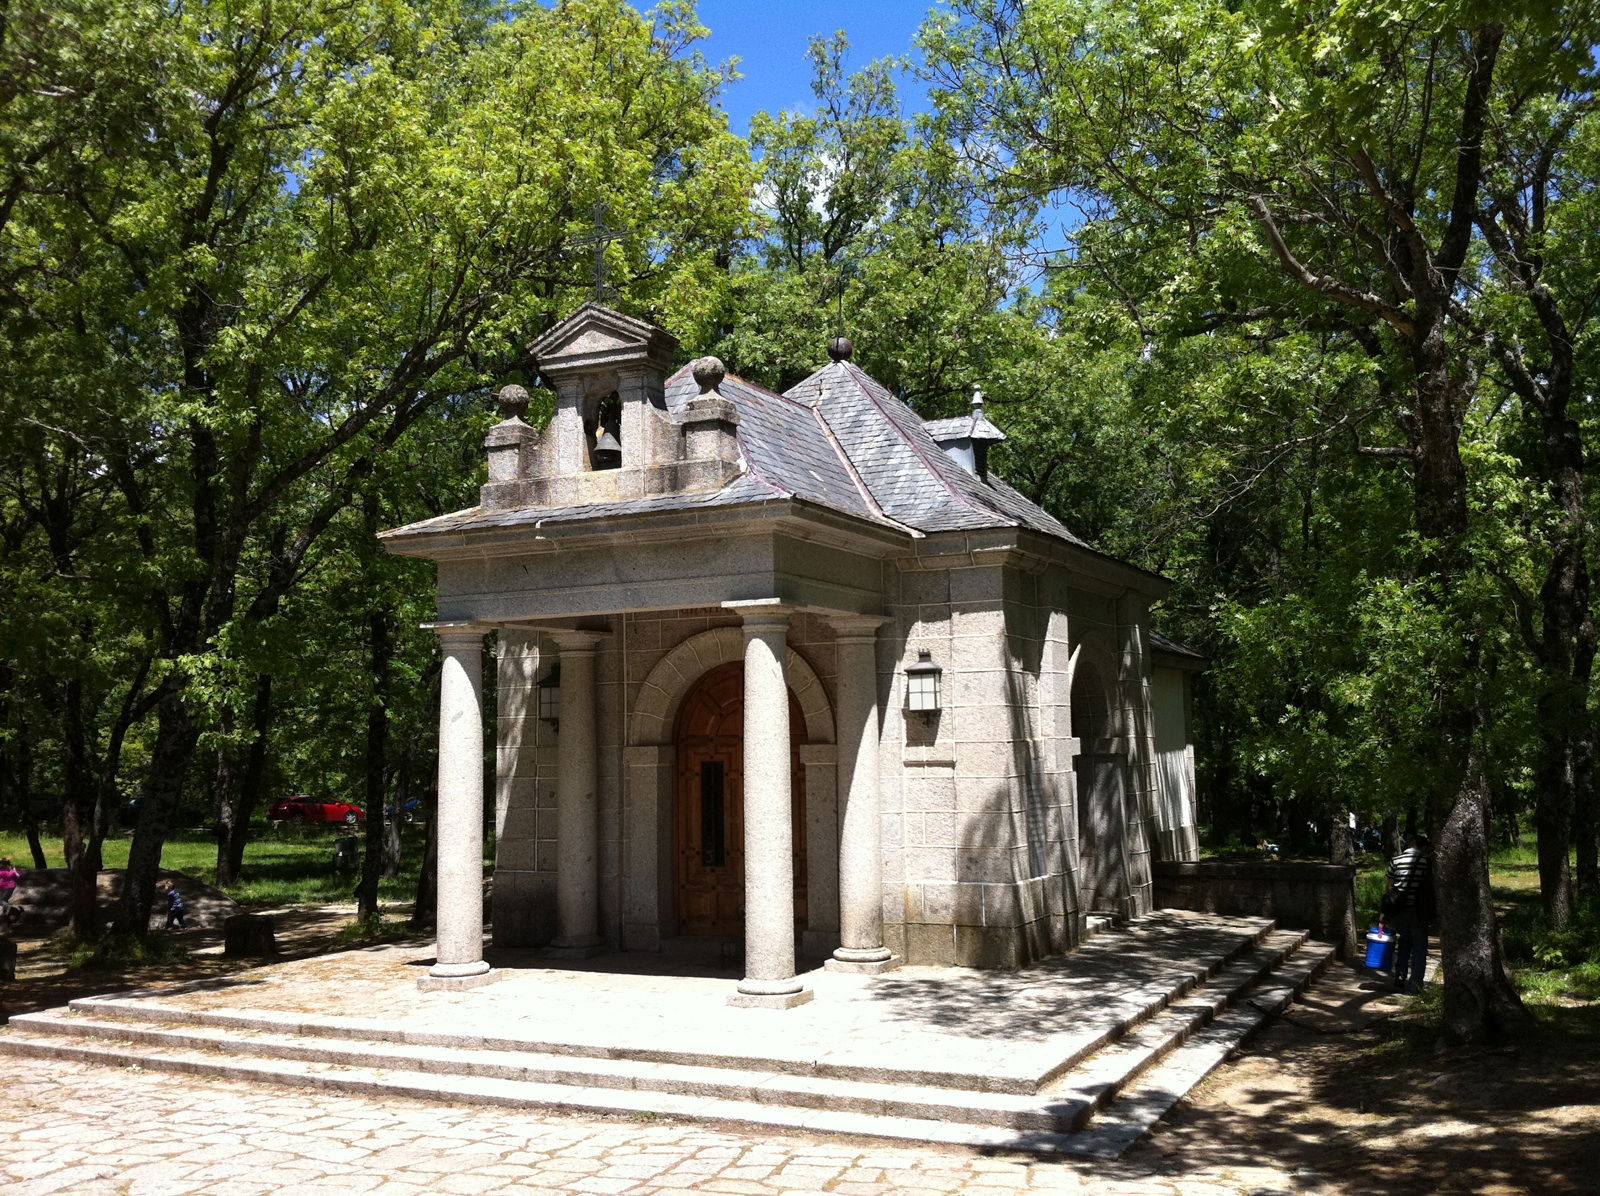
{"points": [[117, 954], [1551, 967], [286, 864], [372, 930]]}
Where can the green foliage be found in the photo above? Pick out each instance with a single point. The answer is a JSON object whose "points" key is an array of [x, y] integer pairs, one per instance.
{"points": [[1261, 191], [868, 228], [259, 266]]}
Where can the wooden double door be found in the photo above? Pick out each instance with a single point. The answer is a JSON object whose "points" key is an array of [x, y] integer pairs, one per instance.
{"points": [[709, 817]]}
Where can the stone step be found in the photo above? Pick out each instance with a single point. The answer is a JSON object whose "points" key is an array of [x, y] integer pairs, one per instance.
{"points": [[1154, 1092], [579, 1072], [1130, 1009], [1096, 1080], [1160, 1048]]}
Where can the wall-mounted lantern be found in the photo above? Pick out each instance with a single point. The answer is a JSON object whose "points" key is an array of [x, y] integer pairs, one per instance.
{"points": [[922, 684], [550, 697]]}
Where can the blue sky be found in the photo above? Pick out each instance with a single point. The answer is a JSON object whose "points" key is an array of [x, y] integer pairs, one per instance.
{"points": [[770, 36]]}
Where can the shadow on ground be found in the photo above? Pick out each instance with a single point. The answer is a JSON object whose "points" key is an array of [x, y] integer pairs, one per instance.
{"points": [[1053, 994], [1348, 1093], [45, 980]]}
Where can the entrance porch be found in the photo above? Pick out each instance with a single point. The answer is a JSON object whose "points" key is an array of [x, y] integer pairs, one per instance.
{"points": [[708, 772]]}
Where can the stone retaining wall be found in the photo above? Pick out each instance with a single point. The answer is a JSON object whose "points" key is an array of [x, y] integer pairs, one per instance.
{"points": [[1315, 897]]}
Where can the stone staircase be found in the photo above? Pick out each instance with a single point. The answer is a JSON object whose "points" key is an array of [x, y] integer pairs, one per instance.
{"points": [[1096, 1101]]}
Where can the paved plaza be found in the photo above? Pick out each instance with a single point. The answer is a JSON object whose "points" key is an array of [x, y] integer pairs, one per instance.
{"points": [[68, 1127]]}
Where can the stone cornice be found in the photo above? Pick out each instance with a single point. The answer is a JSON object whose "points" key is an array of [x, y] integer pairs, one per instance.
{"points": [[1033, 552], [788, 516]]}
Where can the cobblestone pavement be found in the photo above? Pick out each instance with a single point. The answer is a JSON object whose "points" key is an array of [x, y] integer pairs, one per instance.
{"points": [[67, 1127]]}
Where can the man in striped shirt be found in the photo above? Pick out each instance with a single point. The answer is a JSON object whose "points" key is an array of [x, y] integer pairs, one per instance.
{"points": [[1411, 897]]}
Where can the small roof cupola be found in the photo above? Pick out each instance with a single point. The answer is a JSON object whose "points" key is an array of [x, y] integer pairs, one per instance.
{"points": [[612, 437], [966, 438]]}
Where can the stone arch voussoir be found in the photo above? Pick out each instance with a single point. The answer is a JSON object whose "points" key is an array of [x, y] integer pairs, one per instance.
{"points": [[668, 682]]}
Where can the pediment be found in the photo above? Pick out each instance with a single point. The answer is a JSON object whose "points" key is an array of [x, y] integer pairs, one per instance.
{"points": [[598, 334]]}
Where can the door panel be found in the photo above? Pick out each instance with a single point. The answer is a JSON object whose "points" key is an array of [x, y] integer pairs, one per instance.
{"points": [[709, 816]]}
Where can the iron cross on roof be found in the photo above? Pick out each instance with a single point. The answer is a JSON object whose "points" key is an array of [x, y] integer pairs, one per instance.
{"points": [[602, 236]]}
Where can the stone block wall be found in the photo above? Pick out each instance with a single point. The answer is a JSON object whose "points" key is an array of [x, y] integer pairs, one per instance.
{"points": [[1315, 897], [524, 886], [975, 796]]}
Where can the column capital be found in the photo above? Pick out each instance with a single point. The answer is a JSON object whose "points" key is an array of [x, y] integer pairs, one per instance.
{"points": [[856, 627], [462, 634], [577, 641], [762, 614]]}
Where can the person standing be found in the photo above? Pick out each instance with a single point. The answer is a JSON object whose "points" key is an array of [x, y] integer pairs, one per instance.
{"points": [[1410, 896], [9, 879], [175, 906]]}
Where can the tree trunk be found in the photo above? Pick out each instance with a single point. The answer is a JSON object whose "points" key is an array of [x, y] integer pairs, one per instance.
{"points": [[35, 844], [233, 828], [22, 787], [1341, 843], [176, 735], [393, 844], [1552, 821], [381, 649], [1480, 1001], [1391, 835], [78, 816], [1585, 832], [425, 915], [1566, 651]]}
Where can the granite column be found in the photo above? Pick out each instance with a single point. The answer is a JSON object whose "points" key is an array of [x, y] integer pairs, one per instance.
{"points": [[459, 924], [769, 933], [861, 946]]}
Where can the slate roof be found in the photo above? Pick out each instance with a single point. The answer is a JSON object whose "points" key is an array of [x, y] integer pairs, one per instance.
{"points": [[909, 475], [837, 439], [975, 426], [1172, 647]]}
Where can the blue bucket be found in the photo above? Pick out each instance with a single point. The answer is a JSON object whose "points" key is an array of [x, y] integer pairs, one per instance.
{"points": [[1380, 950]]}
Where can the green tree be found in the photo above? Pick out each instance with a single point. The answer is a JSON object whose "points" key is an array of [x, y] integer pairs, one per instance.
{"points": [[247, 249], [1328, 168], [868, 228]]}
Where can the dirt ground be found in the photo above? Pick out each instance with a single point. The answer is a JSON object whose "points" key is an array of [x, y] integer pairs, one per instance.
{"points": [[1345, 1092], [1348, 1094], [43, 982]]}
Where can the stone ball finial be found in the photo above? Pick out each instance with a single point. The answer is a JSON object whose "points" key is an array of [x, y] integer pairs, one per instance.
{"points": [[709, 373], [840, 348], [513, 401]]}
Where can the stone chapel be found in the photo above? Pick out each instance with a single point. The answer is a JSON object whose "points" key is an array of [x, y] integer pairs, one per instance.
{"points": [[792, 671]]}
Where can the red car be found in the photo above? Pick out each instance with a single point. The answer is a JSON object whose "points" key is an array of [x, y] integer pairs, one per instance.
{"points": [[297, 807]]}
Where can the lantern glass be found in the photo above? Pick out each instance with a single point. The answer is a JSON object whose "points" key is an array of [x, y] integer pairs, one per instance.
{"points": [[550, 696], [922, 684]]}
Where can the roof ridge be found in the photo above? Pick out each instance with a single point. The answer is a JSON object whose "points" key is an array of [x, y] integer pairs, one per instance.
{"points": [[851, 370], [855, 474]]}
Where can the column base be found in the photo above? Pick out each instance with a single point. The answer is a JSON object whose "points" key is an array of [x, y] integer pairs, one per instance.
{"points": [[575, 949], [453, 977], [744, 1000], [863, 967]]}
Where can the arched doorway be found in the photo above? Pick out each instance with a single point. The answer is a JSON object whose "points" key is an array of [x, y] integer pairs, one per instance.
{"points": [[1101, 778], [708, 820]]}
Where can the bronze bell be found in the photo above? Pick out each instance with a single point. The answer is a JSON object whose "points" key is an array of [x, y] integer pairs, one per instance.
{"points": [[607, 451]]}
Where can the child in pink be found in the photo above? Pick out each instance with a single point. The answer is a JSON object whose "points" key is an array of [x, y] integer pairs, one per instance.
{"points": [[9, 878]]}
